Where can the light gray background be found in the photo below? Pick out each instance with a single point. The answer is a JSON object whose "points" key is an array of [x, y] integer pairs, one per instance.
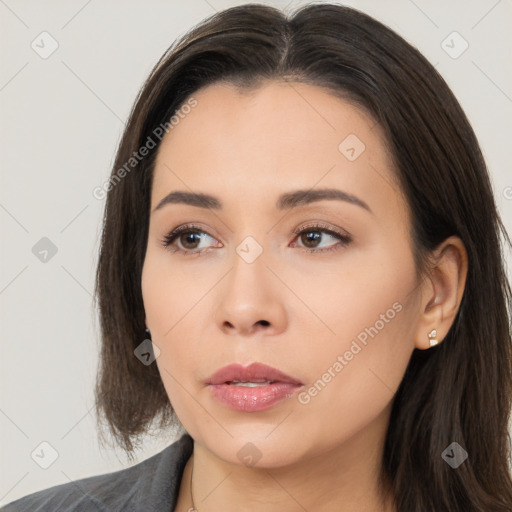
{"points": [[61, 121]]}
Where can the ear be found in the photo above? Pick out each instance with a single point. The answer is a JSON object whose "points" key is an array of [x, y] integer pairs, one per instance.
{"points": [[442, 291]]}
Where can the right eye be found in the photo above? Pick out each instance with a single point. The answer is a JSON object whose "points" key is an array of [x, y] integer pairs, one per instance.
{"points": [[188, 235]]}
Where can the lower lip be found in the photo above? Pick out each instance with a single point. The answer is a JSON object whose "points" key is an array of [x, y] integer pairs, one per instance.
{"points": [[253, 399]]}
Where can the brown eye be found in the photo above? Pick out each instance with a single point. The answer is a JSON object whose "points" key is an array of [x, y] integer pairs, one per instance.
{"points": [[185, 239], [312, 236], [189, 239]]}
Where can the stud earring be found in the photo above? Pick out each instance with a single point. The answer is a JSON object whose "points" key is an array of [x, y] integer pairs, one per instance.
{"points": [[432, 337]]}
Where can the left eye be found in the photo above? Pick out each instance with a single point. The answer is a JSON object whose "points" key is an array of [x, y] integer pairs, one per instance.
{"points": [[312, 235], [189, 236]]}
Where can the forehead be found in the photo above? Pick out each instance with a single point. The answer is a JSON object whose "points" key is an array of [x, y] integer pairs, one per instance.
{"points": [[282, 135]]}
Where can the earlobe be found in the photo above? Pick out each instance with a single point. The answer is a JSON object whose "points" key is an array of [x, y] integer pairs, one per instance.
{"points": [[442, 293]]}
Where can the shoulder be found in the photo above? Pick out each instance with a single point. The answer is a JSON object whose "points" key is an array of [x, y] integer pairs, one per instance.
{"points": [[150, 485]]}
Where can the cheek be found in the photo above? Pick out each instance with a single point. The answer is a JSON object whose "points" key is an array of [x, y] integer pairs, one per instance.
{"points": [[360, 294], [353, 382], [172, 293], [173, 301], [365, 350]]}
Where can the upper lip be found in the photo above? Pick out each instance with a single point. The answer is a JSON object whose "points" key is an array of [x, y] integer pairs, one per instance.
{"points": [[254, 371]]}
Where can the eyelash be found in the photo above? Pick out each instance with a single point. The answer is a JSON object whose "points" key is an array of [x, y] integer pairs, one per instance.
{"points": [[169, 239]]}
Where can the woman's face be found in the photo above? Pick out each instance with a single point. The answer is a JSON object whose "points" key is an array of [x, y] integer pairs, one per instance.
{"points": [[338, 313]]}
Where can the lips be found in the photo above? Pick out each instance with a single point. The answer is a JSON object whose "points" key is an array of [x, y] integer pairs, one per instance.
{"points": [[252, 388], [256, 373]]}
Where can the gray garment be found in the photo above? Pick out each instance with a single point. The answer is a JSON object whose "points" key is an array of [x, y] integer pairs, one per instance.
{"points": [[149, 486]]}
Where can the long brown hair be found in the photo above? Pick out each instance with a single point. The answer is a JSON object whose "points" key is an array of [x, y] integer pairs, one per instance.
{"points": [[460, 391]]}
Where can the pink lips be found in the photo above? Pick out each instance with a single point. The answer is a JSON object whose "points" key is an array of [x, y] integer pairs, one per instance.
{"points": [[255, 371], [251, 399]]}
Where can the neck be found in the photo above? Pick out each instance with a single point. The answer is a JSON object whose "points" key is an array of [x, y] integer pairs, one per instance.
{"points": [[345, 478]]}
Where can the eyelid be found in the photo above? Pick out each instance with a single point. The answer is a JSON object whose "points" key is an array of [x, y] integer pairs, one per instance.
{"points": [[319, 225]]}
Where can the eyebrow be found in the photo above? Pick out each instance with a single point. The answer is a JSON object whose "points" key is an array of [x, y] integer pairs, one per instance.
{"points": [[286, 201]]}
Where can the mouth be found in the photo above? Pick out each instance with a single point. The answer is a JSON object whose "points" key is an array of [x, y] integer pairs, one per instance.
{"points": [[250, 384], [254, 388], [256, 374]]}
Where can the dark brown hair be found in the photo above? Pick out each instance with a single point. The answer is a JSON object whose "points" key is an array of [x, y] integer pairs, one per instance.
{"points": [[459, 391]]}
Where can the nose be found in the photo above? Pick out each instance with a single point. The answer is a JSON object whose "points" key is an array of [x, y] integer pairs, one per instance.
{"points": [[250, 300]]}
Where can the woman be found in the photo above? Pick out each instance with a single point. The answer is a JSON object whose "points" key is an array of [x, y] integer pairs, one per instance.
{"points": [[301, 267]]}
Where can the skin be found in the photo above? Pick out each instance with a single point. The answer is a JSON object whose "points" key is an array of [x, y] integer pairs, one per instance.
{"points": [[205, 311]]}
